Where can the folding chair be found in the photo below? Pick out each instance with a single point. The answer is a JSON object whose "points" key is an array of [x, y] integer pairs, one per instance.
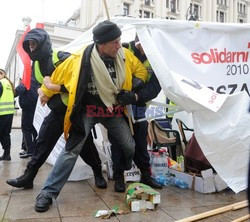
{"points": [[163, 136], [182, 128]]}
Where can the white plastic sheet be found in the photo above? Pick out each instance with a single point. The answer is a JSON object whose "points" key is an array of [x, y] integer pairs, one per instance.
{"points": [[220, 125]]}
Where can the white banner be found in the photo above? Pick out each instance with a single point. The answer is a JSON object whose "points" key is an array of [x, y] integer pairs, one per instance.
{"points": [[187, 56]]}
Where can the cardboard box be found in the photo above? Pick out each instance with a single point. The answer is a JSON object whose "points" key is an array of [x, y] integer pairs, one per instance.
{"points": [[219, 183], [203, 184], [155, 199]]}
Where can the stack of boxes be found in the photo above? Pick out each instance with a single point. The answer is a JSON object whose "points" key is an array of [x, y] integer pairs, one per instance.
{"points": [[141, 197]]}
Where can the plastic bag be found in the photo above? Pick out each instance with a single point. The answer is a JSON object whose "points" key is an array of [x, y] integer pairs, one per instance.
{"points": [[159, 162]]}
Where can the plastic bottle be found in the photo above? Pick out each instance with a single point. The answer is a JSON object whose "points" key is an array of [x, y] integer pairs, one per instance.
{"points": [[164, 181], [179, 183], [161, 180]]}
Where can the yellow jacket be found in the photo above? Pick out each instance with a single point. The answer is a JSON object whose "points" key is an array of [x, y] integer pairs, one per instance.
{"points": [[67, 74]]}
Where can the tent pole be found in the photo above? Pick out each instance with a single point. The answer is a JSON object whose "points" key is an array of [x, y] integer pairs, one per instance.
{"points": [[106, 9]]}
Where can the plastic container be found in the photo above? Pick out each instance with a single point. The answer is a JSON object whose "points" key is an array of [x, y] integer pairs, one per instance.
{"points": [[162, 180], [179, 183]]}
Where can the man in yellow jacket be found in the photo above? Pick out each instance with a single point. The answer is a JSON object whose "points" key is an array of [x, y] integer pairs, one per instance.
{"points": [[96, 78]]}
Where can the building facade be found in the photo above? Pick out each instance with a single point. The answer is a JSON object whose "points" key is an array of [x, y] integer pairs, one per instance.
{"points": [[228, 11]]}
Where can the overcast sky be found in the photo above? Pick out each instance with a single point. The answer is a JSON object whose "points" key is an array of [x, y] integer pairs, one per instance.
{"points": [[12, 12]]}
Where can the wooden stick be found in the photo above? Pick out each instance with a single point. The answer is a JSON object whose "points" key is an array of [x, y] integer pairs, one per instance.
{"points": [[242, 218], [131, 125], [210, 213], [106, 9], [244, 204]]}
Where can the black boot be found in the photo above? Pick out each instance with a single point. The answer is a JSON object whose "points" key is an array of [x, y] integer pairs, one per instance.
{"points": [[147, 179], [6, 155], [119, 182], [42, 203], [25, 181], [100, 182]]}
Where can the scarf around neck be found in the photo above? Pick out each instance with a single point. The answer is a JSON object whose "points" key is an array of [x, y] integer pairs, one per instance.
{"points": [[102, 79]]}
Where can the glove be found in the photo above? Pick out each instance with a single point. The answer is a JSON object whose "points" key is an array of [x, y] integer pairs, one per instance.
{"points": [[137, 84], [125, 97]]}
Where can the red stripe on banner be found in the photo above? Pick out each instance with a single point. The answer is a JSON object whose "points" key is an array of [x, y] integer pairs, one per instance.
{"points": [[40, 25], [26, 60]]}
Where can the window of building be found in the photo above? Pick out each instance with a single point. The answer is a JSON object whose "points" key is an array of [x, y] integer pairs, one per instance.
{"points": [[241, 8], [167, 3], [194, 11], [222, 2], [125, 9], [173, 6], [140, 13], [221, 16], [147, 2], [146, 14]]}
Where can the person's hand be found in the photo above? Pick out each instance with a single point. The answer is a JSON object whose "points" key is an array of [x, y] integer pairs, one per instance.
{"points": [[137, 84], [47, 81], [43, 98], [125, 97]]}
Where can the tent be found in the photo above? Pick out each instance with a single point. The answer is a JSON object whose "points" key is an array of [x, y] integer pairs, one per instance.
{"points": [[204, 68]]}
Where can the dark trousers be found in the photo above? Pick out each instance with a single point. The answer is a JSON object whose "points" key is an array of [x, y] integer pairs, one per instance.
{"points": [[5, 129], [28, 129], [141, 156], [23, 146], [50, 132]]}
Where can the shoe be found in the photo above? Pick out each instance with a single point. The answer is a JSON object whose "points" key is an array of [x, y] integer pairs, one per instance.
{"points": [[5, 157], [150, 182], [22, 152], [147, 179], [119, 184], [25, 154], [42, 203], [100, 182], [25, 181]]}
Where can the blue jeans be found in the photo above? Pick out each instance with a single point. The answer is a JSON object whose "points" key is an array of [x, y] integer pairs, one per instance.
{"points": [[65, 162]]}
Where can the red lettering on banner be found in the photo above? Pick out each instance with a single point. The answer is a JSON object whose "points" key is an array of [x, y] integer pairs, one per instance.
{"points": [[213, 98], [215, 56]]}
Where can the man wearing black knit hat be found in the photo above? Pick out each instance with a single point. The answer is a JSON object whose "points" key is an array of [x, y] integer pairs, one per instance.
{"points": [[94, 91]]}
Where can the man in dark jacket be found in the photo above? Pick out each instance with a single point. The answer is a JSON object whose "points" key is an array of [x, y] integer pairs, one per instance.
{"points": [[103, 68], [37, 44], [141, 94], [27, 101]]}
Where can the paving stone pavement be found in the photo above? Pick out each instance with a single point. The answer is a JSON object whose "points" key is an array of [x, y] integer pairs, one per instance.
{"points": [[79, 201]]}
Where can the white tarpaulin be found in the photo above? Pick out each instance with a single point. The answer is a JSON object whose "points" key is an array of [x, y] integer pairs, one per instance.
{"points": [[186, 56]]}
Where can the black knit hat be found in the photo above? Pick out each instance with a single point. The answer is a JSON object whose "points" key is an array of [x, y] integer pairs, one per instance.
{"points": [[106, 31]]}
